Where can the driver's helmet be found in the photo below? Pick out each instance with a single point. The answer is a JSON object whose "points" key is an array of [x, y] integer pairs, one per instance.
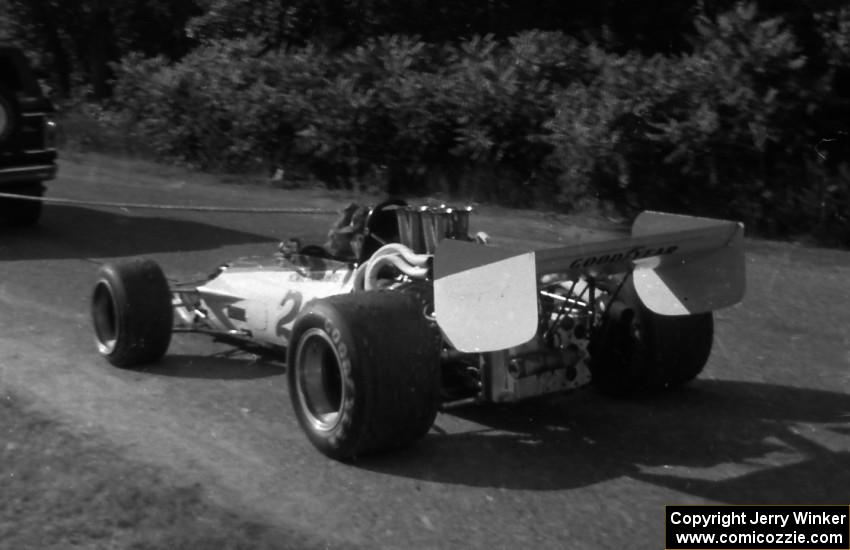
{"points": [[346, 236]]}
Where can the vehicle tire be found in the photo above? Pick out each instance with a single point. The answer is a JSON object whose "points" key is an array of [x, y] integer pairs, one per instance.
{"points": [[132, 312], [21, 212], [642, 352], [363, 372]]}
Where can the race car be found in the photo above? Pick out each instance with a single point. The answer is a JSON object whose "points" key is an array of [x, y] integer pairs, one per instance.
{"points": [[402, 314]]}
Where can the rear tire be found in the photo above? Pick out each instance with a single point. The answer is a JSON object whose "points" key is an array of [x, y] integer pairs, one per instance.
{"points": [[132, 312], [643, 353], [21, 212], [363, 373]]}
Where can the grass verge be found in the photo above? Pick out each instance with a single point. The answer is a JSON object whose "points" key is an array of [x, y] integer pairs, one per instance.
{"points": [[62, 490]]}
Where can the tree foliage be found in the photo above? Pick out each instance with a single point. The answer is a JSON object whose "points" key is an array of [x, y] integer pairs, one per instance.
{"points": [[712, 107], [78, 39]]}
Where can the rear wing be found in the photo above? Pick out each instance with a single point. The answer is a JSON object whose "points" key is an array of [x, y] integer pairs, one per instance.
{"points": [[485, 298]]}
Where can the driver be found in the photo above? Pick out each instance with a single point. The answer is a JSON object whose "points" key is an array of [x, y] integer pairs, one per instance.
{"points": [[346, 236]]}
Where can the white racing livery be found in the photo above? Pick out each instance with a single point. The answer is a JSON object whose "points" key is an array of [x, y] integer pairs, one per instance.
{"points": [[405, 314]]}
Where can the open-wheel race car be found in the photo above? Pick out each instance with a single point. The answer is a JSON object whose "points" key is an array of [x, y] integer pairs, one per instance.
{"points": [[411, 315]]}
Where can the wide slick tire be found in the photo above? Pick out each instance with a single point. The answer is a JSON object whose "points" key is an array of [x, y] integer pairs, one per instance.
{"points": [[132, 312], [642, 353], [363, 372]]}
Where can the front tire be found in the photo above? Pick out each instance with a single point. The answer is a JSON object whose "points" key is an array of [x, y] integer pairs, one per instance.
{"points": [[642, 352], [132, 312], [363, 373]]}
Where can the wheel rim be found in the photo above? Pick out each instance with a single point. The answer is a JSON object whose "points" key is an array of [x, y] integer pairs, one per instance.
{"points": [[318, 379], [105, 316]]}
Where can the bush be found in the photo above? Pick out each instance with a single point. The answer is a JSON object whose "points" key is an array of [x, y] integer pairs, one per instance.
{"points": [[394, 105], [731, 128], [724, 131], [221, 107]]}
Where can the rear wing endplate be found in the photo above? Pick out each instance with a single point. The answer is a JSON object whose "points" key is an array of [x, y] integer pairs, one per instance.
{"points": [[485, 298]]}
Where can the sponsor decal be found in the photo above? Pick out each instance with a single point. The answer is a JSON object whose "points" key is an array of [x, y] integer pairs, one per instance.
{"points": [[636, 253]]}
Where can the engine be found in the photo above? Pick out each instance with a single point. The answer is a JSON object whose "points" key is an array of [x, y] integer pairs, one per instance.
{"points": [[555, 360], [422, 227]]}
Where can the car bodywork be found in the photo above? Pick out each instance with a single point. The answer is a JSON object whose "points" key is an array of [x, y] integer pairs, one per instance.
{"points": [[507, 325]]}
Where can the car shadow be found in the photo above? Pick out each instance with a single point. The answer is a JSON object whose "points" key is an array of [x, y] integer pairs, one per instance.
{"points": [[722, 440], [76, 232], [230, 365]]}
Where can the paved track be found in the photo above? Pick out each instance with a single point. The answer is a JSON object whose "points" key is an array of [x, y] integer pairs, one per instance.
{"points": [[769, 422]]}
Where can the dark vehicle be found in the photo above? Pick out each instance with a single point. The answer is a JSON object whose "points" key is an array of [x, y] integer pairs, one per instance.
{"points": [[27, 130]]}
